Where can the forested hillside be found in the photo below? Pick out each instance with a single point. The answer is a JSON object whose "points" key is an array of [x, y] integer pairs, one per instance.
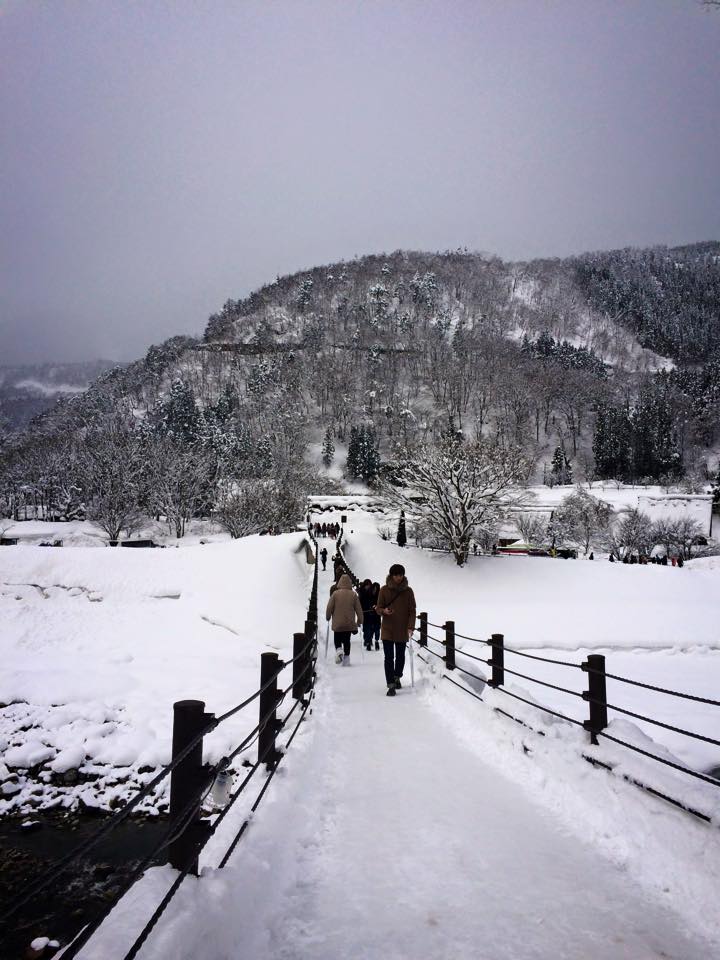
{"points": [[603, 365]]}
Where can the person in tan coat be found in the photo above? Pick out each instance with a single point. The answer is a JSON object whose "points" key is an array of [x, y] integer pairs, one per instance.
{"points": [[396, 606], [346, 612]]}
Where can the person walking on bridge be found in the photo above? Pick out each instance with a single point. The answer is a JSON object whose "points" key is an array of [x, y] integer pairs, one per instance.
{"points": [[396, 606], [323, 557], [346, 613]]}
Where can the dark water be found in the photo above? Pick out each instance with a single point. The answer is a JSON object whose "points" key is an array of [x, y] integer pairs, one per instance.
{"points": [[27, 853]]}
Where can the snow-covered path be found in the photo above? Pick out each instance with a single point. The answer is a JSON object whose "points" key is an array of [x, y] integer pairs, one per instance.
{"points": [[387, 869]]}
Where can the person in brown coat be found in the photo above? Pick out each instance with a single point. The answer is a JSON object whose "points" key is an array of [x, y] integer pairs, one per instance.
{"points": [[346, 612], [396, 606]]}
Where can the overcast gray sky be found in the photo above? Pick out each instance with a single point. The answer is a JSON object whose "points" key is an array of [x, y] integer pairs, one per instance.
{"points": [[157, 157]]}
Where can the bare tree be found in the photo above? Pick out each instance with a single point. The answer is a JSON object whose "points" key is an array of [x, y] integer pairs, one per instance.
{"points": [[457, 488], [181, 479], [633, 531], [580, 519], [112, 473], [532, 527]]}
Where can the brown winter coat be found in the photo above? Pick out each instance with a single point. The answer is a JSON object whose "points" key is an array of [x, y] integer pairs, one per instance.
{"points": [[344, 607], [401, 600]]}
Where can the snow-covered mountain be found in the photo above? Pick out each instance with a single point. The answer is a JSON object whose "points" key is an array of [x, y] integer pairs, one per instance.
{"points": [[27, 390], [605, 363]]}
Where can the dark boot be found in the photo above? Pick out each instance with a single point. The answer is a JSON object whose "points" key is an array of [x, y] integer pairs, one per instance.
{"points": [[390, 691]]}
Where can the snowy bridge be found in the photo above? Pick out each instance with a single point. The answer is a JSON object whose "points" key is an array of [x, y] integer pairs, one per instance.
{"points": [[393, 831]]}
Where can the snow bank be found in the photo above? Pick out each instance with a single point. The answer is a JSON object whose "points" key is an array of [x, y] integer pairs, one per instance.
{"points": [[97, 645]]}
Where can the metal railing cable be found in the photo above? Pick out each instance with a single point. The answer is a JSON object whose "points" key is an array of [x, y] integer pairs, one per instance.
{"points": [[60, 867], [544, 683], [468, 673], [228, 853], [164, 903], [185, 816], [650, 686], [657, 723], [653, 756], [472, 656], [539, 706]]}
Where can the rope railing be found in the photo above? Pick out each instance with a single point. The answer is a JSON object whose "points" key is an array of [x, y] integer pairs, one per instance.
{"points": [[595, 696], [191, 783]]}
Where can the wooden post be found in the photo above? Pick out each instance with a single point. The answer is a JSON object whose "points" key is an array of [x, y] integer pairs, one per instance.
{"points": [[497, 660], [596, 693], [423, 630], [270, 666], [189, 720], [450, 645]]}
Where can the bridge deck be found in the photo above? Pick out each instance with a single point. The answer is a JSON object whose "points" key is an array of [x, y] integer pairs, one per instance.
{"points": [[408, 846]]}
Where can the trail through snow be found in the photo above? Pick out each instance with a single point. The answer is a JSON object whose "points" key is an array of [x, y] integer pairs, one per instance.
{"points": [[388, 870]]}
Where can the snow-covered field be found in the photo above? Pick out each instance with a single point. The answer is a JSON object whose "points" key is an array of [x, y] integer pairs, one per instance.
{"points": [[97, 644]]}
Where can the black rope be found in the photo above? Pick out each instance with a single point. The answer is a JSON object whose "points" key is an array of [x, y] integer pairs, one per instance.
{"points": [[649, 686], [253, 808], [561, 716], [469, 674], [473, 657], [34, 889], [657, 723], [461, 687], [436, 639], [144, 934], [171, 834], [543, 683], [148, 928], [438, 655], [653, 756]]}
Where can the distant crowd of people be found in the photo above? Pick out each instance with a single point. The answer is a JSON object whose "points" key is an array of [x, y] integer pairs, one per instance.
{"points": [[662, 561], [331, 530]]}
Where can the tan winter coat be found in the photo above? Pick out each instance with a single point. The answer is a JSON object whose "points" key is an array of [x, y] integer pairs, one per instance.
{"points": [[401, 600], [344, 607]]}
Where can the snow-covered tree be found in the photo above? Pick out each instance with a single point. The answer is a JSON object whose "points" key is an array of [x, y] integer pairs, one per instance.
{"points": [[178, 415], [580, 519], [560, 468], [328, 448], [113, 476], [181, 481], [457, 488], [632, 532], [532, 527]]}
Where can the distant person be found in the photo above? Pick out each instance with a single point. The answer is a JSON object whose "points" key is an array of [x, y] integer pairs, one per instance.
{"points": [[375, 617], [323, 557], [680, 561], [344, 610], [396, 606]]}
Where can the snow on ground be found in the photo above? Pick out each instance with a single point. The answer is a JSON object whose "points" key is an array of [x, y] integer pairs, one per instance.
{"points": [[423, 827], [97, 645], [426, 826]]}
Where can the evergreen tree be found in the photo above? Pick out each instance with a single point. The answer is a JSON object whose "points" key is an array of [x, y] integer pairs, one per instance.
{"points": [[561, 469], [612, 442], [328, 448], [179, 416], [401, 533]]}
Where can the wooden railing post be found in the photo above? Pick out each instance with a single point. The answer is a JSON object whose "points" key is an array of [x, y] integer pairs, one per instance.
{"points": [[450, 645], [423, 630], [189, 720], [270, 666], [497, 660], [596, 694]]}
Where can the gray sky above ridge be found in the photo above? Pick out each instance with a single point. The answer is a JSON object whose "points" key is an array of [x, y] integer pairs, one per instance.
{"points": [[160, 157]]}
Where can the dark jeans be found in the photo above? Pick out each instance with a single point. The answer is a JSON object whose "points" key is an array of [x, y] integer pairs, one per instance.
{"points": [[342, 639], [394, 660], [371, 628]]}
